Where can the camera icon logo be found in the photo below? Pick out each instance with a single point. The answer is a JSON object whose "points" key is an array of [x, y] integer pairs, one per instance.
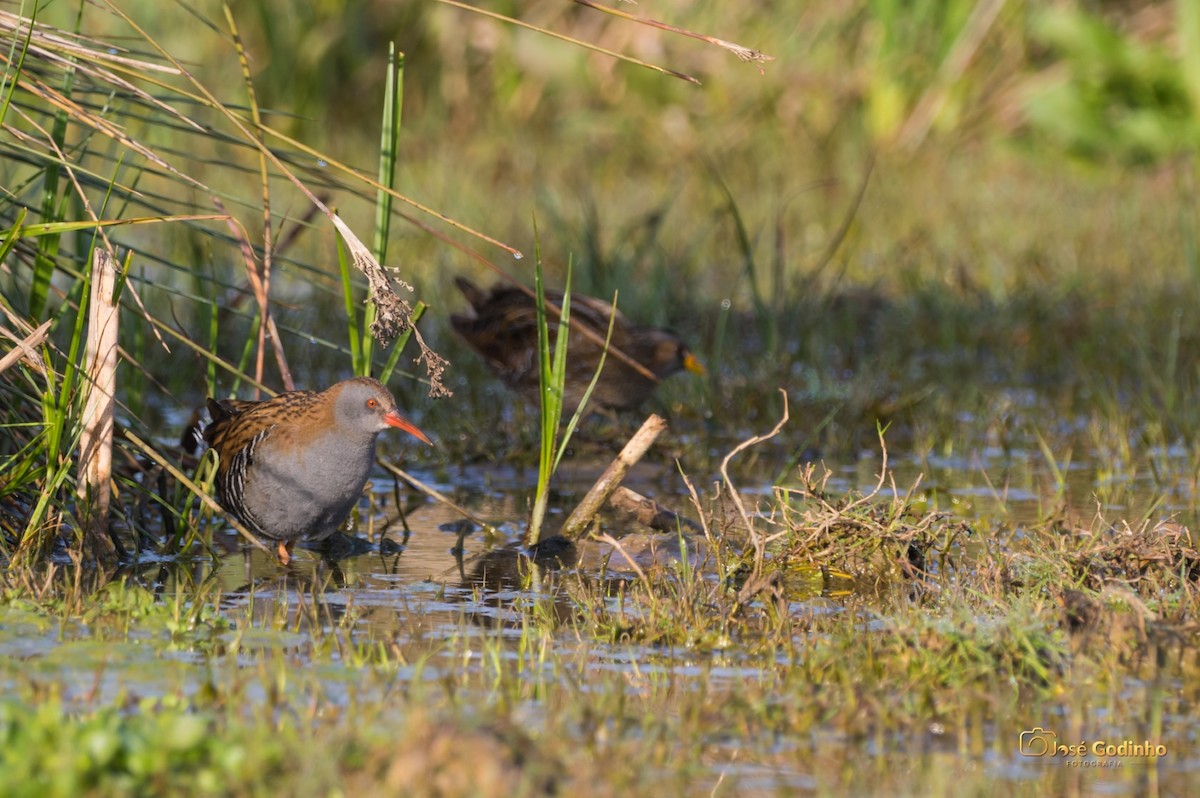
{"points": [[1037, 742]]}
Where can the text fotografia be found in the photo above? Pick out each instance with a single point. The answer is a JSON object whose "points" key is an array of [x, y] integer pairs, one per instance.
{"points": [[1041, 742]]}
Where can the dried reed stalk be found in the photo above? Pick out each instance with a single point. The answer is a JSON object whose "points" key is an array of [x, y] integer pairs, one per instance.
{"points": [[581, 517], [26, 348], [95, 443]]}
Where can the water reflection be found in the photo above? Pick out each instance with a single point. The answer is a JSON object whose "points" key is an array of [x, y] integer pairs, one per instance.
{"points": [[430, 559], [419, 574], [413, 556]]}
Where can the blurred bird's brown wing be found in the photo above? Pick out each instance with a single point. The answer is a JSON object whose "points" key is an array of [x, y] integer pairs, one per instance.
{"points": [[503, 330], [510, 306], [595, 313]]}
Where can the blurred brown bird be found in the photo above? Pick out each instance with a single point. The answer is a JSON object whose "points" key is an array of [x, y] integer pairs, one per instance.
{"points": [[293, 467], [503, 329]]}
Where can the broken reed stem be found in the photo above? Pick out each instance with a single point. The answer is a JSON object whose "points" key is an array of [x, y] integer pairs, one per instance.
{"points": [[94, 485], [650, 513], [26, 348], [583, 515]]}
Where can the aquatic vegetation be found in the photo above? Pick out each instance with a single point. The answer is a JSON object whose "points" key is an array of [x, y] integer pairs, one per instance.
{"points": [[929, 514]]}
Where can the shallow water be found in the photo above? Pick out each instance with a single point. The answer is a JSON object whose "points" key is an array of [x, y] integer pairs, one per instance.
{"points": [[418, 589]]}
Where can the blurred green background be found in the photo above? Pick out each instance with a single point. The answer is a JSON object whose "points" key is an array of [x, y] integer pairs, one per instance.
{"points": [[913, 211]]}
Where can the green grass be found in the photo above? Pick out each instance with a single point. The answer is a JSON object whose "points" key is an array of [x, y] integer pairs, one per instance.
{"points": [[668, 671]]}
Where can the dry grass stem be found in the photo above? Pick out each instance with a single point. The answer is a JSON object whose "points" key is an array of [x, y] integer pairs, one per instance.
{"points": [[577, 42], [394, 315], [259, 271], [260, 285], [339, 166], [50, 41], [694, 496], [196, 490], [25, 347], [743, 53], [436, 495], [70, 168], [616, 544], [585, 512], [756, 539]]}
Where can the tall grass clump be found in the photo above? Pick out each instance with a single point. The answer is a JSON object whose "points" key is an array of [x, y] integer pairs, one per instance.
{"points": [[219, 207], [90, 174]]}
